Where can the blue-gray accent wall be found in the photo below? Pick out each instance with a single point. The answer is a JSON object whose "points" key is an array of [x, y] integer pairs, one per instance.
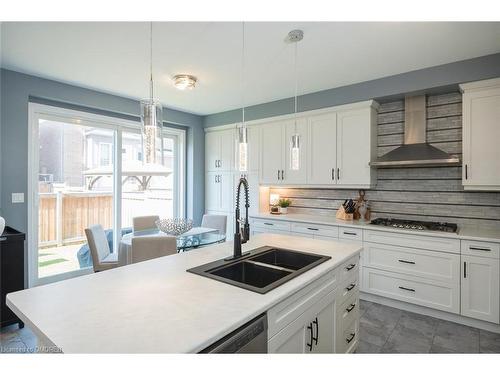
{"points": [[18, 89], [437, 79]]}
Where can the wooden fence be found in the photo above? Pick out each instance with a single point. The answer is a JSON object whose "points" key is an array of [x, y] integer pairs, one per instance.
{"points": [[63, 217]]}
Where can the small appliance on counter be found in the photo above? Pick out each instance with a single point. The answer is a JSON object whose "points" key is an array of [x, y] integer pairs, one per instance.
{"points": [[12, 271]]}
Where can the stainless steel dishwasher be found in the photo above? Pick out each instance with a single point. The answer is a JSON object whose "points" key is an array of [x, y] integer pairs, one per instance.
{"points": [[249, 338]]}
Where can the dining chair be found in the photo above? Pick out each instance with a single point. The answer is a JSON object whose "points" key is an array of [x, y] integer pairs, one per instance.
{"points": [[150, 247], [102, 257], [144, 222], [218, 222]]}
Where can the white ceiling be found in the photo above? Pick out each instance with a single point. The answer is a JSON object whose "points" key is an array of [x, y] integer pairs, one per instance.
{"points": [[114, 57]]}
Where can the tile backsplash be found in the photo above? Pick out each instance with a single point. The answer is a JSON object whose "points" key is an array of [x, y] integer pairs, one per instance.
{"points": [[431, 193]]}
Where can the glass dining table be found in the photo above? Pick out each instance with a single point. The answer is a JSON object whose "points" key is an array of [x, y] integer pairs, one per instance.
{"points": [[194, 238]]}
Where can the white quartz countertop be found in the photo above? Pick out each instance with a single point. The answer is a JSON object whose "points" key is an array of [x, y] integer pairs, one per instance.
{"points": [[156, 306], [464, 232]]}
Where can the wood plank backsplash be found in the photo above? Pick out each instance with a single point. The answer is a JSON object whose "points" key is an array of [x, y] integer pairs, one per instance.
{"points": [[430, 193]]}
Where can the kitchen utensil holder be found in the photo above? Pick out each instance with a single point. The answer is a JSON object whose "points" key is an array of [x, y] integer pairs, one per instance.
{"points": [[342, 215]]}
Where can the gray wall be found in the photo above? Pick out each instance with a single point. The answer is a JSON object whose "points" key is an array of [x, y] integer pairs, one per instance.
{"points": [[18, 89], [436, 79], [434, 194]]}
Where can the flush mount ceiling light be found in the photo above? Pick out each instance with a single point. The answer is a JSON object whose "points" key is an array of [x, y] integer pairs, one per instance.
{"points": [[184, 81]]}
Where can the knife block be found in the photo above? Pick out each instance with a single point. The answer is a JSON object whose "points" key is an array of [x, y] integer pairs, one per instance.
{"points": [[342, 215]]}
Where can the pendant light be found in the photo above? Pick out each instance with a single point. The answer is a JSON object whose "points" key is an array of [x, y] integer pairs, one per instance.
{"points": [[295, 36], [242, 129], [151, 115]]}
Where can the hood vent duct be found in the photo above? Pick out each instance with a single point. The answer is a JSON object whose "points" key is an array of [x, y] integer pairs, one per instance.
{"points": [[415, 152]]}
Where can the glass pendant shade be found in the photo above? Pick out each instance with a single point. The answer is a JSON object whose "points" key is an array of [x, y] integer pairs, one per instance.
{"points": [[242, 149], [151, 120], [295, 153]]}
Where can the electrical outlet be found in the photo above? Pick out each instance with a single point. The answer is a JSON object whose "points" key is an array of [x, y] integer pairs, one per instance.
{"points": [[17, 197]]}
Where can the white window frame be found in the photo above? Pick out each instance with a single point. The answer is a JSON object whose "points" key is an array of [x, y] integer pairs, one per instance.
{"points": [[110, 153], [38, 111]]}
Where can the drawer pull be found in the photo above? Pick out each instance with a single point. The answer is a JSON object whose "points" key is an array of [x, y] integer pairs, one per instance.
{"points": [[479, 248], [312, 228], [351, 307], [350, 267], [406, 261], [350, 338], [350, 233], [268, 224], [408, 289], [351, 287]]}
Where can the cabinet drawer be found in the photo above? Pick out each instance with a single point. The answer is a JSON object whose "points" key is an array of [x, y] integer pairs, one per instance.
{"points": [[417, 262], [349, 268], [348, 340], [316, 230], [291, 308], [348, 312], [481, 249], [271, 224], [348, 288], [355, 234], [430, 293], [448, 245]]}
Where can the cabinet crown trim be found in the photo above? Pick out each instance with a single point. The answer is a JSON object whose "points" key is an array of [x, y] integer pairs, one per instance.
{"points": [[480, 85], [343, 107]]}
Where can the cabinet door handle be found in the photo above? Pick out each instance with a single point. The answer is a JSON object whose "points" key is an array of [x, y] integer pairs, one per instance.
{"points": [[408, 289], [310, 343], [351, 307], [479, 248], [351, 287], [350, 267], [278, 174], [282, 174], [215, 163], [465, 270], [333, 174], [350, 338], [406, 261], [338, 173], [315, 338], [312, 228], [268, 224], [466, 172]]}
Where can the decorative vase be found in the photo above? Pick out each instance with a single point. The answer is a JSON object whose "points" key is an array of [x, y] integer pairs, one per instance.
{"points": [[283, 210], [362, 211]]}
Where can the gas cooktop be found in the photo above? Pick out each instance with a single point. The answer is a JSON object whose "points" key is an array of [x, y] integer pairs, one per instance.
{"points": [[415, 225]]}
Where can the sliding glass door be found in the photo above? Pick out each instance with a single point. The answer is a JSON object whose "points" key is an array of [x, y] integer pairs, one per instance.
{"points": [[88, 169]]}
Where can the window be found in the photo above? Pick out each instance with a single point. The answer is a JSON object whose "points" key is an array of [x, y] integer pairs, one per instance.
{"points": [[76, 162]]}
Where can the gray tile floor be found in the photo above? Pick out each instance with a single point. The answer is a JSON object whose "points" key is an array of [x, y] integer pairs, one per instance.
{"points": [[385, 329]]}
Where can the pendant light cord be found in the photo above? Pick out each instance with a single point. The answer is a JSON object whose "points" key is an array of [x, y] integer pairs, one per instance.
{"points": [[151, 61], [296, 85], [243, 73]]}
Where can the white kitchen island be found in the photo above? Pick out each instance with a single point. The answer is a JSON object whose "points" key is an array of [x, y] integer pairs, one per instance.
{"points": [[158, 307]]}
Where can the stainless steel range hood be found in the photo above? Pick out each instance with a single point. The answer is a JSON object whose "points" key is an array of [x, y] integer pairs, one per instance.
{"points": [[415, 152]]}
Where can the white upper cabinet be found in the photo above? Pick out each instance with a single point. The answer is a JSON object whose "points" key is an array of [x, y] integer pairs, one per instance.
{"points": [[271, 155], [356, 145], [481, 135], [322, 149], [219, 150]]}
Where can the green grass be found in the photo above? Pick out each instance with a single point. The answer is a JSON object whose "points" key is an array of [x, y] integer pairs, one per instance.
{"points": [[50, 262], [44, 254]]}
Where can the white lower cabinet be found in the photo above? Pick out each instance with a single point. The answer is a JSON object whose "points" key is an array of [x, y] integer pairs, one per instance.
{"points": [[311, 332], [480, 288]]}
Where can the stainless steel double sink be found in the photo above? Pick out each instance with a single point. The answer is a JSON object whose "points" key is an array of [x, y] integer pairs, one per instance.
{"points": [[262, 269]]}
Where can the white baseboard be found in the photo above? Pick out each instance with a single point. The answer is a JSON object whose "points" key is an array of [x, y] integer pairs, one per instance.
{"points": [[487, 326]]}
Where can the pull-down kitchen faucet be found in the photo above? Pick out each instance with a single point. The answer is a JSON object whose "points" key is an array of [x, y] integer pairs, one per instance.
{"points": [[241, 235]]}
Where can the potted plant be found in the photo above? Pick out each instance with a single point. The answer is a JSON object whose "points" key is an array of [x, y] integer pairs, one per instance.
{"points": [[284, 203]]}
